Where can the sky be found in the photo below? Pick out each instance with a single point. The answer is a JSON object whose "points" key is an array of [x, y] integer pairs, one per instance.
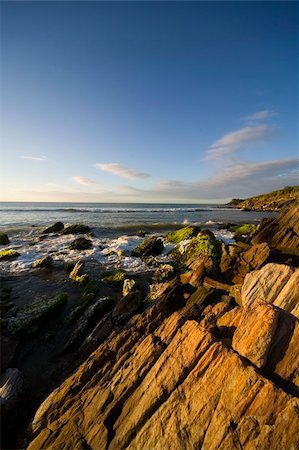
{"points": [[174, 102]]}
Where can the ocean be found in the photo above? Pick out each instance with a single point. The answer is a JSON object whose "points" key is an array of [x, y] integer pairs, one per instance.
{"points": [[114, 227]]}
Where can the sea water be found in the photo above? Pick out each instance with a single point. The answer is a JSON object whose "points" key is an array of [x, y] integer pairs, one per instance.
{"points": [[115, 228]]}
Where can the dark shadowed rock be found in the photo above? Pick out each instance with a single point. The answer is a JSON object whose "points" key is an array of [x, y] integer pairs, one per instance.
{"points": [[58, 226], [80, 243], [47, 262], [150, 246], [12, 389], [4, 239], [126, 307], [77, 228], [281, 233]]}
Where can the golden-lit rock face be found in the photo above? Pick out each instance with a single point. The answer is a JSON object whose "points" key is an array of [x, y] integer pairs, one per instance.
{"points": [[221, 372], [173, 385]]}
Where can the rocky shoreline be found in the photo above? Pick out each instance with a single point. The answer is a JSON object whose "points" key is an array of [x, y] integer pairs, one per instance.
{"points": [[198, 351]]}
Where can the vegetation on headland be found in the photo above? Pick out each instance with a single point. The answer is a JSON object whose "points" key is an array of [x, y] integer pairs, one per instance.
{"points": [[272, 201]]}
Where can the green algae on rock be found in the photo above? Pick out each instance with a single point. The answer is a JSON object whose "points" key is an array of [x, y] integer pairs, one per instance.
{"points": [[77, 228], [182, 234], [7, 255], [33, 314], [114, 276], [204, 244], [247, 229], [4, 239]]}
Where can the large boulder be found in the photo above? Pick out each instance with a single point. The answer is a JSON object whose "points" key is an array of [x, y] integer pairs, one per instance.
{"points": [[274, 283], [255, 333], [205, 247]]}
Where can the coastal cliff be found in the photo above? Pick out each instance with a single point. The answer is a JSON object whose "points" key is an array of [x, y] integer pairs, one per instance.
{"points": [[199, 353], [273, 201]]}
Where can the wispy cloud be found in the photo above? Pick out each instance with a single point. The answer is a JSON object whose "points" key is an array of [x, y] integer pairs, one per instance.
{"points": [[35, 158], [236, 140], [121, 171], [261, 115], [241, 180], [83, 180]]}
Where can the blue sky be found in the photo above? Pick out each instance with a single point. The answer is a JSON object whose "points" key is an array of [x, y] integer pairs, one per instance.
{"points": [[148, 101]]}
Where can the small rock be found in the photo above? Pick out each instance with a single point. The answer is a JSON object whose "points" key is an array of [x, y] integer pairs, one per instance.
{"points": [[8, 255], [77, 271], [4, 239], [47, 262], [128, 286]]}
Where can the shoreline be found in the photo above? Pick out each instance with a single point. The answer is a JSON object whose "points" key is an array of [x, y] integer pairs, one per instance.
{"points": [[56, 315]]}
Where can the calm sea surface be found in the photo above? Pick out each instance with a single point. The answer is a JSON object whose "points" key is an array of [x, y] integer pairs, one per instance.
{"points": [[112, 218]]}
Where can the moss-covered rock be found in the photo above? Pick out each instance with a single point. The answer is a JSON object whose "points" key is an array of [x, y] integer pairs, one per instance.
{"points": [[244, 233], [204, 245], [7, 255], [4, 239], [150, 246], [182, 234], [80, 243], [81, 279], [31, 316], [56, 228], [114, 276], [46, 261], [77, 228], [247, 229]]}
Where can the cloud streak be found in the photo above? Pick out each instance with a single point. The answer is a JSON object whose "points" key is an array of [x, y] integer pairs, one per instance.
{"points": [[121, 171], [35, 158], [241, 180], [83, 180], [237, 140], [261, 115]]}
